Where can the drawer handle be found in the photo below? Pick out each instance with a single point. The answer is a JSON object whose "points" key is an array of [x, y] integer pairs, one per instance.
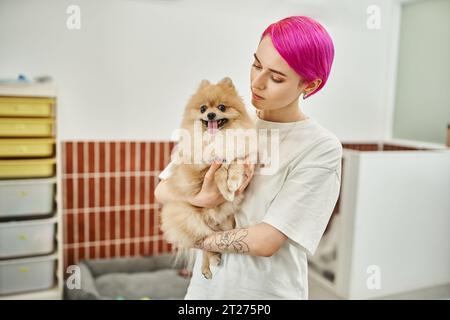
{"points": [[22, 193], [23, 236], [23, 269], [22, 149]]}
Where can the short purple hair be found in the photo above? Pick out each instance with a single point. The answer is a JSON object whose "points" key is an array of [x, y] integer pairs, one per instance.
{"points": [[305, 45]]}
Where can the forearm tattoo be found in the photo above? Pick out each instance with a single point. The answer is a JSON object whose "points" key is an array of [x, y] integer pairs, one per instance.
{"points": [[234, 241]]}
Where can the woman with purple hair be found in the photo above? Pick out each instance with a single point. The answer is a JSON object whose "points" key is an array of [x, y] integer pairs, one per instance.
{"points": [[284, 214]]}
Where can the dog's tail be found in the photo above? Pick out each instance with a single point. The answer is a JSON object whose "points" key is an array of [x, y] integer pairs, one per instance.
{"points": [[185, 258]]}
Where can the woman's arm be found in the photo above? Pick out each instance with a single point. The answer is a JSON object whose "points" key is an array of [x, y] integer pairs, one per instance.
{"points": [[209, 196], [259, 240]]}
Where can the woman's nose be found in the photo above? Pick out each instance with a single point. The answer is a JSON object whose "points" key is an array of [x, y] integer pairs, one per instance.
{"points": [[258, 83]]}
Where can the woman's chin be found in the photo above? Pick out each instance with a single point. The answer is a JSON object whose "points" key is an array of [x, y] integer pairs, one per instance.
{"points": [[257, 104]]}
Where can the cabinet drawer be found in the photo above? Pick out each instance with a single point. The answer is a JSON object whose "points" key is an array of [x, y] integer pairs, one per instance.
{"points": [[27, 168], [27, 197], [26, 107], [26, 148], [26, 127], [20, 275], [26, 238]]}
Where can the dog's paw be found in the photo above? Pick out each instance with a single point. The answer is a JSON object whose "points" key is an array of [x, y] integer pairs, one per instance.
{"points": [[234, 182], [207, 274], [215, 259], [229, 196]]}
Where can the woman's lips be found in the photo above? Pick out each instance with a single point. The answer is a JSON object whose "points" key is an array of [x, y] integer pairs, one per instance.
{"points": [[256, 97]]}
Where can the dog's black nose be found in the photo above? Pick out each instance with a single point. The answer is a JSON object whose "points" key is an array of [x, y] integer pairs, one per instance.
{"points": [[211, 115]]}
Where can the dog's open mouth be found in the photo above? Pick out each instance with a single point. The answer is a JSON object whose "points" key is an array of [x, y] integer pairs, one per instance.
{"points": [[214, 125]]}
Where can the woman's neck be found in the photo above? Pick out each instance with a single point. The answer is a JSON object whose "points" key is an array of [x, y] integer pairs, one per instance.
{"points": [[290, 113]]}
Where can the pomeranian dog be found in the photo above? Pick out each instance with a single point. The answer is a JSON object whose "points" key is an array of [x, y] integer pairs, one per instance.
{"points": [[212, 118]]}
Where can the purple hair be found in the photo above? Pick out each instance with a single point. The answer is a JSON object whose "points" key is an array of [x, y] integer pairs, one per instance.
{"points": [[305, 45]]}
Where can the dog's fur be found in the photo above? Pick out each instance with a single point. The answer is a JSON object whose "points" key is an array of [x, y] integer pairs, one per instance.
{"points": [[182, 223]]}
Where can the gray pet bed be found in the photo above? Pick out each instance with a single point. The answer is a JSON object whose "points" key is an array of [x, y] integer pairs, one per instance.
{"points": [[153, 277]]}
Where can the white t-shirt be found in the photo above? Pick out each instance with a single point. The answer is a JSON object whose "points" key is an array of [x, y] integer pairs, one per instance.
{"points": [[297, 200]]}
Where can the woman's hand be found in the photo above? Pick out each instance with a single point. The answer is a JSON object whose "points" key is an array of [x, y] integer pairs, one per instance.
{"points": [[209, 196], [249, 171]]}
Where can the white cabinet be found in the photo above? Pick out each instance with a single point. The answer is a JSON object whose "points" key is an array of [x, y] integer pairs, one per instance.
{"points": [[31, 259], [394, 221]]}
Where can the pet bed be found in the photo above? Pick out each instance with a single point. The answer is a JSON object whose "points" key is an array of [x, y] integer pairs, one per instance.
{"points": [[136, 278]]}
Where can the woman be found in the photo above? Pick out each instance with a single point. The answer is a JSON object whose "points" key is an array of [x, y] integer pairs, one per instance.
{"points": [[284, 214]]}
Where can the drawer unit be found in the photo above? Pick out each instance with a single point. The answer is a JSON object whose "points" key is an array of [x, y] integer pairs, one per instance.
{"points": [[31, 246], [27, 168], [26, 127], [26, 197], [20, 275], [26, 148], [26, 238], [26, 107]]}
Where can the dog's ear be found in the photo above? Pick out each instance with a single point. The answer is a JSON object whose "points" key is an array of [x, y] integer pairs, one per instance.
{"points": [[203, 84], [227, 83]]}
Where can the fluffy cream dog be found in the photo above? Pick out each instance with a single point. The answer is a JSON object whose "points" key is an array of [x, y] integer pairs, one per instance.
{"points": [[215, 111]]}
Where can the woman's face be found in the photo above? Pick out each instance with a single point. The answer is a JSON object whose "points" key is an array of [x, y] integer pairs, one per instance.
{"points": [[273, 79]]}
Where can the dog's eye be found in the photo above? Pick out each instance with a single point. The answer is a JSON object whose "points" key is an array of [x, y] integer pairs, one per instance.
{"points": [[221, 107], [203, 109]]}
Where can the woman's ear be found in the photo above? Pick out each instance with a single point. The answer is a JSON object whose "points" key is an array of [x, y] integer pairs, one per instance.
{"points": [[227, 82], [311, 86]]}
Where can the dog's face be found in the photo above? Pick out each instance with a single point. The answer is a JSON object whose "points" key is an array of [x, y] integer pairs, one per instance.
{"points": [[216, 106]]}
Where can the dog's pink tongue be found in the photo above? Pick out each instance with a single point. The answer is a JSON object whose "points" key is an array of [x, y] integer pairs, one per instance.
{"points": [[212, 127]]}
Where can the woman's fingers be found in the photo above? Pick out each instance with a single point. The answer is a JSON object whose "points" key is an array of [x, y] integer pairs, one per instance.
{"points": [[250, 169], [242, 187], [212, 170], [246, 182], [247, 159]]}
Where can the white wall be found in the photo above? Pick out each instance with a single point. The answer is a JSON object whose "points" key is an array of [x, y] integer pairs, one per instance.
{"points": [[422, 109], [129, 71]]}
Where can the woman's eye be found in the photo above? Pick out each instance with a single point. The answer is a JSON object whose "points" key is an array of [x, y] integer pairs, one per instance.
{"points": [[256, 66], [277, 80], [221, 107], [202, 109]]}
